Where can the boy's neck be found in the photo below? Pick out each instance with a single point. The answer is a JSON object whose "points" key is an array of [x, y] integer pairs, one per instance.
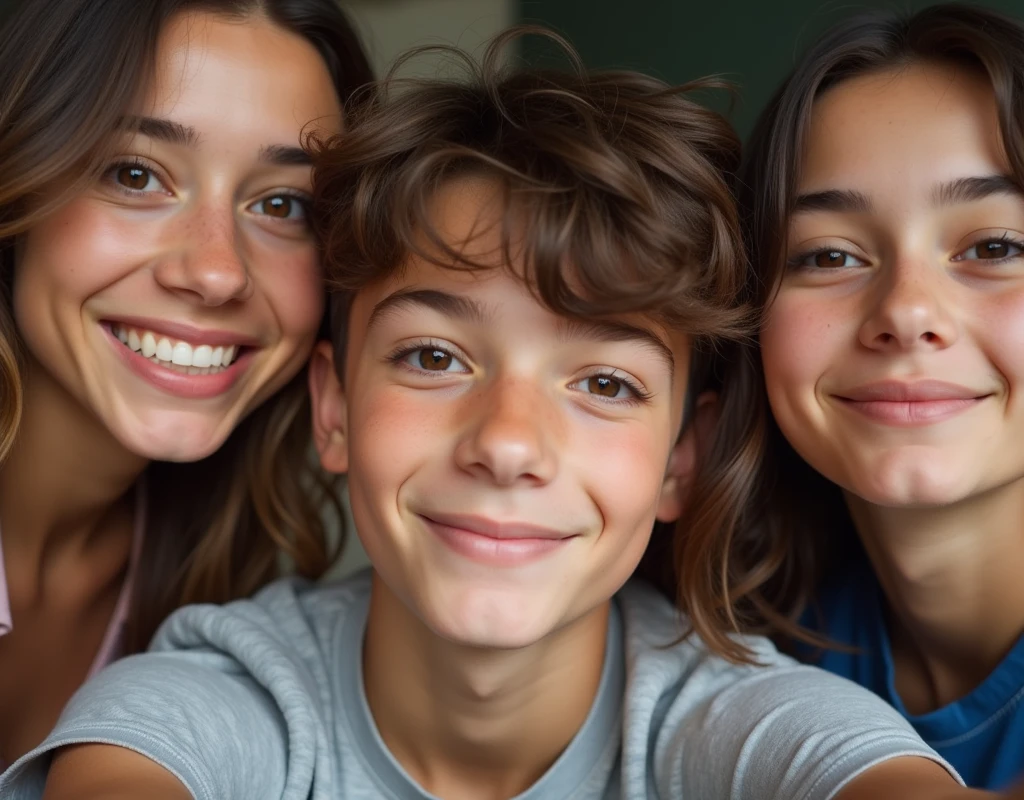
{"points": [[474, 723], [952, 580]]}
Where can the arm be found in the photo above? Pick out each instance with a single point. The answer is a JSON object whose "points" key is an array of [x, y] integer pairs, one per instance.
{"points": [[799, 733], [911, 779], [105, 772], [154, 724]]}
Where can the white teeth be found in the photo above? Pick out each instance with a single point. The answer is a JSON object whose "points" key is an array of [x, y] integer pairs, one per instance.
{"points": [[202, 356], [182, 355], [164, 351], [194, 359]]}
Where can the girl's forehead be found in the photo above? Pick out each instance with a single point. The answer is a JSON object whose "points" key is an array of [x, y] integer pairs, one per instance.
{"points": [[924, 122], [209, 67]]}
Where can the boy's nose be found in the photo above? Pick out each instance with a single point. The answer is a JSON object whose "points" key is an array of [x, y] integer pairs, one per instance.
{"points": [[510, 439]]}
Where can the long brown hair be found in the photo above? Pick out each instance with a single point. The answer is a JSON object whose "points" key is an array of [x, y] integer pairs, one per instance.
{"points": [[69, 70], [617, 190], [804, 527]]}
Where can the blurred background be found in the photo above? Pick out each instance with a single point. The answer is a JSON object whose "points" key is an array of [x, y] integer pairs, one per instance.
{"points": [[752, 42]]}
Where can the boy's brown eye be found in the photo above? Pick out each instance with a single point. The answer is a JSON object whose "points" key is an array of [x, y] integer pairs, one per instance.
{"points": [[437, 360], [604, 386]]}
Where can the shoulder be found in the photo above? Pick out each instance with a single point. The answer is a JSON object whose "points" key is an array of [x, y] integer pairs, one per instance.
{"points": [[286, 614], [704, 724], [658, 635]]}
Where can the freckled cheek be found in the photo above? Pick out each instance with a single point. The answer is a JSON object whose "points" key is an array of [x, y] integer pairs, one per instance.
{"points": [[294, 285], [800, 341], [77, 252]]}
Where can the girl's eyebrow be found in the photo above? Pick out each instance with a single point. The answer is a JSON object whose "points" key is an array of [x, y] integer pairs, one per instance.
{"points": [[166, 130], [836, 200], [969, 190], [286, 156], [948, 193]]}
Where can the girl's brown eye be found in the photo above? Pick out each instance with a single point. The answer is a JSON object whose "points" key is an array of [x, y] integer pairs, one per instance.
{"points": [[830, 258], [434, 360], [604, 386], [280, 206], [133, 177], [987, 250]]}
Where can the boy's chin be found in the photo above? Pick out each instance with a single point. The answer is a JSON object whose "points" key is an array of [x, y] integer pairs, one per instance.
{"points": [[494, 620]]}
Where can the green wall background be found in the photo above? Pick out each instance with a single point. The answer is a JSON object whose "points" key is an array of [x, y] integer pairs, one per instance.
{"points": [[752, 42]]}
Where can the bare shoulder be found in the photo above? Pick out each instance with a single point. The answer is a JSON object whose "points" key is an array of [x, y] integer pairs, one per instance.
{"points": [[88, 771]]}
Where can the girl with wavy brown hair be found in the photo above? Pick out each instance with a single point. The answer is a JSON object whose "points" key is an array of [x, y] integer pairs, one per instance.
{"points": [[161, 293], [885, 194]]}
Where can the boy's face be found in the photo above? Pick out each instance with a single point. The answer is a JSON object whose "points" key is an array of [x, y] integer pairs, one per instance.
{"points": [[506, 464]]}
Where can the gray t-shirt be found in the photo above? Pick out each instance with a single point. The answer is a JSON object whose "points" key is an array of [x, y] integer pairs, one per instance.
{"points": [[264, 699]]}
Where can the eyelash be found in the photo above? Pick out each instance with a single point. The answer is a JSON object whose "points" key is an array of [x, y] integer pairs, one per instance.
{"points": [[399, 354], [137, 163], [397, 358], [639, 394], [796, 262], [132, 163], [1007, 239]]}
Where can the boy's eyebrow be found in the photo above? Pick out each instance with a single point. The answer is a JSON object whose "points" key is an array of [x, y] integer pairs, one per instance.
{"points": [[836, 200], [604, 330], [450, 305], [967, 190]]}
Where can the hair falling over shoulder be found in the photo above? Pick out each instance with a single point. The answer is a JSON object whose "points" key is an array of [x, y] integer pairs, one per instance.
{"points": [[69, 71]]}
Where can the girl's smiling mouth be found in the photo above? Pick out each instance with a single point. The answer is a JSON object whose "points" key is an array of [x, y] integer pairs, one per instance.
{"points": [[181, 360]]}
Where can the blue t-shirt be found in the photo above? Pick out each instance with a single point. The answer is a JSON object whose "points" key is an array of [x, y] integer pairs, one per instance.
{"points": [[981, 735]]}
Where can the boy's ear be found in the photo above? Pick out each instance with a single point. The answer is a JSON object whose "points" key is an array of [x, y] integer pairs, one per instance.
{"points": [[692, 446], [330, 409]]}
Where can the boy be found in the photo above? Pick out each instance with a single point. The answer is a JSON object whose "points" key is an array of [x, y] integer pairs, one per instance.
{"points": [[523, 263]]}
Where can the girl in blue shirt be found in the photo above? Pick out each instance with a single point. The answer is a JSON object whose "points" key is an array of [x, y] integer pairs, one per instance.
{"points": [[886, 215]]}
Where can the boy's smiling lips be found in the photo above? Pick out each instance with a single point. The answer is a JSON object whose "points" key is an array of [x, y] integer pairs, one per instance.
{"points": [[493, 542]]}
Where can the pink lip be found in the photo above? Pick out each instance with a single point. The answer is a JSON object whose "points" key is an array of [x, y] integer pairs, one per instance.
{"points": [[496, 543], [186, 333], [192, 387], [910, 404]]}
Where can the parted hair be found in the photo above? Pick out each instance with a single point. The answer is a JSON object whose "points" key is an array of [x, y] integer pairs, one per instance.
{"points": [[617, 191]]}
